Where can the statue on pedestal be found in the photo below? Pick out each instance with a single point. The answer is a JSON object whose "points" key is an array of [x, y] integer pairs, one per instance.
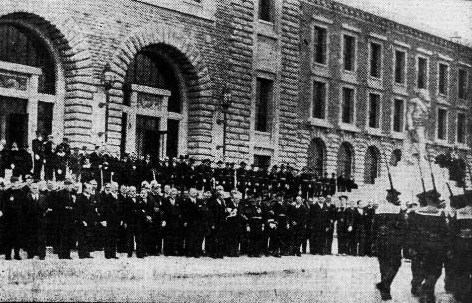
{"points": [[414, 145]]}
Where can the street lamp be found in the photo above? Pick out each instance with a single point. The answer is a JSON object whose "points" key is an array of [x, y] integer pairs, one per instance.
{"points": [[108, 77], [225, 104]]}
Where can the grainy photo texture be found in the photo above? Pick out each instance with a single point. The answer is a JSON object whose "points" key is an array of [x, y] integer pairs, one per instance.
{"points": [[236, 151]]}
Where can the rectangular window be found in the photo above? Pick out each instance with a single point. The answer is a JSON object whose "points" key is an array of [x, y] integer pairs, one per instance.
{"points": [[398, 114], [400, 66], [266, 10], [461, 128], [443, 78], [348, 105], [374, 110], [375, 60], [462, 84], [320, 44], [264, 89], [349, 52], [442, 124], [422, 76], [262, 161], [45, 117], [319, 100]]}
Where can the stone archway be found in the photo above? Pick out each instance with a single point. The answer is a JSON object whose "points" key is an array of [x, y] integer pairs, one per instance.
{"points": [[70, 49], [317, 156], [185, 53], [345, 165]]}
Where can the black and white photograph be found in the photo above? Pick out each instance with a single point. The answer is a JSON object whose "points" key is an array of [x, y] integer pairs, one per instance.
{"points": [[236, 151]]}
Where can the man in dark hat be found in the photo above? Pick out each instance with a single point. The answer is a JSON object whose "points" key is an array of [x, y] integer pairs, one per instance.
{"points": [[462, 250], [12, 210], [429, 238], [388, 228], [38, 155]]}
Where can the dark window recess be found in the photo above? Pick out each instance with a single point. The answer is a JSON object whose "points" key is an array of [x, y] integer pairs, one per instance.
{"points": [[19, 45], [349, 52], [45, 117], [375, 60], [443, 78], [172, 138], [262, 161], [150, 69], [374, 110], [461, 128], [462, 84], [398, 114], [320, 45], [263, 104], [422, 72], [319, 99], [400, 63], [348, 105], [442, 121], [266, 10]]}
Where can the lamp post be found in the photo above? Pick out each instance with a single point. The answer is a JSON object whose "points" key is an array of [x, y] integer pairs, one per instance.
{"points": [[108, 77], [225, 104]]}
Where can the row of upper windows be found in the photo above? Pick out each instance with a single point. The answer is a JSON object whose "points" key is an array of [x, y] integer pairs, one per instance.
{"points": [[349, 61], [374, 111]]}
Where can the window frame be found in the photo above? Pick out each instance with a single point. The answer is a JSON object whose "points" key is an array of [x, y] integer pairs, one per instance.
{"points": [[417, 67], [446, 122], [403, 124], [380, 61], [341, 105], [446, 93], [312, 97], [379, 110], [355, 37], [271, 14], [270, 105], [466, 81], [327, 44], [464, 131]]}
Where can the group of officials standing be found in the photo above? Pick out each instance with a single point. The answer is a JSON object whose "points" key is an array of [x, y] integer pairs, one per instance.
{"points": [[94, 201]]}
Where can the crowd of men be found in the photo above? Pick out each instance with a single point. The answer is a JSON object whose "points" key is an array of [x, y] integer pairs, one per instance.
{"points": [[96, 201]]}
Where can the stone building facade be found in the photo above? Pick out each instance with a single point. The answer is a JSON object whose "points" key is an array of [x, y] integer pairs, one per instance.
{"points": [[149, 77]]}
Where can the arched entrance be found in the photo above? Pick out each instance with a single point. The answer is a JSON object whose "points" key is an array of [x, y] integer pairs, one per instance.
{"points": [[29, 90], [316, 156], [155, 111], [345, 160], [371, 165]]}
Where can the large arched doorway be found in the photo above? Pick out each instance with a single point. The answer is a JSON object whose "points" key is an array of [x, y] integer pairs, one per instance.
{"points": [[29, 97], [345, 160], [155, 109], [316, 156], [371, 165]]}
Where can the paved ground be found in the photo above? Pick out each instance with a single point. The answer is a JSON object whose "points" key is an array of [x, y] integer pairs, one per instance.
{"points": [[177, 279]]}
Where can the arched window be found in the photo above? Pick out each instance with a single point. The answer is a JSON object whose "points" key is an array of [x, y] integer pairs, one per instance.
{"points": [[316, 154], [395, 157], [25, 56], [371, 165], [19, 45], [345, 160]]}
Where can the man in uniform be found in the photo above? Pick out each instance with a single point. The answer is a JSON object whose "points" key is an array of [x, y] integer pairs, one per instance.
{"points": [[255, 227], [235, 220], [49, 158], [297, 214], [216, 208], [389, 227], [429, 238]]}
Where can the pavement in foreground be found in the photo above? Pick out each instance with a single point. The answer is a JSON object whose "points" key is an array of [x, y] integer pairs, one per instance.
{"points": [[179, 279]]}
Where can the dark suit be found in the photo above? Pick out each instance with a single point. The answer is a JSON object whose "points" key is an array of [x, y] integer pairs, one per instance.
{"points": [[85, 221], [35, 230], [172, 215], [109, 212], [216, 208], [12, 206], [194, 215], [319, 224], [38, 156]]}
